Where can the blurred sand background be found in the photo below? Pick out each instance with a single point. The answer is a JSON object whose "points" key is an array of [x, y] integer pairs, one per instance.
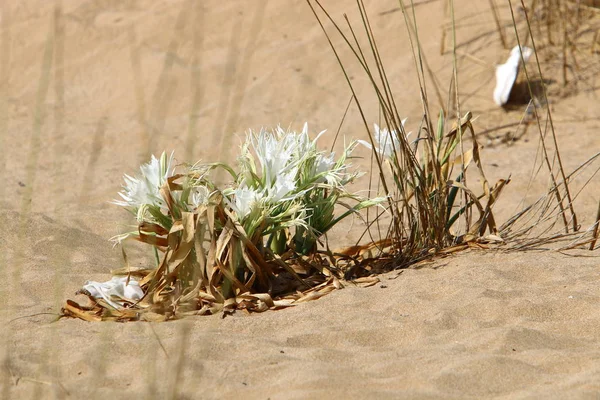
{"points": [[88, 89]]}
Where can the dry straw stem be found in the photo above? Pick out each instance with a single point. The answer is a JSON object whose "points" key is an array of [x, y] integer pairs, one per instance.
{"points": [[538, 221], [563, 30], [538, 224], [542, 135], [566, 33], [596, 231]]}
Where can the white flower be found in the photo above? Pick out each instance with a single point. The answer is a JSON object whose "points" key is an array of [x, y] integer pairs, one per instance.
{"points": [[279, 154], [284, 184], [388, 143], [274, 152], [115, 292], [303, 143], [324, 165], [280, 151], [145, 187], [199, 196], [244, 200]]}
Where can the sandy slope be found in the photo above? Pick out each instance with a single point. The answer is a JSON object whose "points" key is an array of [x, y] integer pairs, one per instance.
{"points": [[117, 80]]}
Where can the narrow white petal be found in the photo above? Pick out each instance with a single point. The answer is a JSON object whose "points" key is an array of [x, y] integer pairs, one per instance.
{"points": [[366, 144]]}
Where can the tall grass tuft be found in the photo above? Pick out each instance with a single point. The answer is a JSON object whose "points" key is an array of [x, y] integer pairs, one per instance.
{"points": [[423, 175]]}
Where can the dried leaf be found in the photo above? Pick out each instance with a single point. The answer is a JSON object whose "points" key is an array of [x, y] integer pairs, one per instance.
{"points": [[75, 310]]}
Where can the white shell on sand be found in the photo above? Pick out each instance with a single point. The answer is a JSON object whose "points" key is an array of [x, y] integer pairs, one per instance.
{"points": [[506, 74], [115, 291]]}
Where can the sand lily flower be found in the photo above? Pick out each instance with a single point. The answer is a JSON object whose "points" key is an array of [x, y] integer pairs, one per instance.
{"points": [[244, 201], [388, 143], [144, 188], [274, 153], [116, 292], [324, 164], [283, 185], [283, 198]]}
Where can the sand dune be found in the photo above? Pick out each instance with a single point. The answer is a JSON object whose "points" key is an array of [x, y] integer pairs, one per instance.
{"points": [[481, 324]]}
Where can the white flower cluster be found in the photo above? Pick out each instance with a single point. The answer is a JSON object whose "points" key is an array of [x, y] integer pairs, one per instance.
{"points": [[142, 192], [285, 191], [283, 181], [290, 164]]}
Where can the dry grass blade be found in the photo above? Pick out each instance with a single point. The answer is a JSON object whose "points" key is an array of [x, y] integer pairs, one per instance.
{"points": [[596, 229]]}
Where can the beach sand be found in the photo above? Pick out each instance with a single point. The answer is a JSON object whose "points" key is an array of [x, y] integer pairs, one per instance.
{"points": [[89, 89]]}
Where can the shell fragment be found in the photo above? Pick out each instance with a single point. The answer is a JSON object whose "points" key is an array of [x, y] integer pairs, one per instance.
{"points": [[506, 74], [115, 292]]}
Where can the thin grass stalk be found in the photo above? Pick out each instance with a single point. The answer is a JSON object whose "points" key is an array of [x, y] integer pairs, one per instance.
{"points": [[436, 85], [429, 217], [565, 16], [59, 90], [542, 136], [397, 214], [550, 120], [358, 53], [422, 190], [412, 28], [543, 211], [60, 260], [5, 61], [494, 8], [390, 113], [380, 69], [596, 231], [339, 129], [394, 119], [377, 158], [550, 8], [385, 106], [457, 105], [423, 85]]}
